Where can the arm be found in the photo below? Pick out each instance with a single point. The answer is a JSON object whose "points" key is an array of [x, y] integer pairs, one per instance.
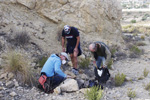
{"points": [[58, 70], [63, 42], [108, 54]]}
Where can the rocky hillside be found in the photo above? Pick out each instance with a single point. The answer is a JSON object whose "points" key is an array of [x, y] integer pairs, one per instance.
{"points": [[43, 20], [32, 28]]}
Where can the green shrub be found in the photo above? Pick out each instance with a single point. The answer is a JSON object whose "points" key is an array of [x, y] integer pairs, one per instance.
{"points": [[140, 78], [95, 93], [133, 21], [84, 63], [143, 37], [140, 44], [131, 93], [42, 61], [147, 87], [110, 64], [19, 65], [145, 72], [135, 49], [119, 79], [145, 17]]}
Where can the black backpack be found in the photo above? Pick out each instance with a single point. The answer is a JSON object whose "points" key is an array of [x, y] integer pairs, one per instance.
{"points": [[104, 76]]}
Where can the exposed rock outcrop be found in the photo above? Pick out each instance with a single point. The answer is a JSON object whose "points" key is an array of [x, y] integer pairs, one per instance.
{"points": [[42, 19]]}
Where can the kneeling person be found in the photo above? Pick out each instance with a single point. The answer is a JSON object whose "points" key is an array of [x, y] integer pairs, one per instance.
{"points": [[52, 69]]}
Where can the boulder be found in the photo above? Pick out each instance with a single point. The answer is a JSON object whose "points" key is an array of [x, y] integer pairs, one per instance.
{"points": [[10, 84], [62, 1], [13, 94], [69, 85]]}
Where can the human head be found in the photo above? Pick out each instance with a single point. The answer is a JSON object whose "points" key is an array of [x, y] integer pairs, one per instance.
{"points": [[67, 29], [63, 57], [92, 47]]}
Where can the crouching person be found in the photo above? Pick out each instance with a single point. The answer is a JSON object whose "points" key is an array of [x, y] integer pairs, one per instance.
{"points": [[51, 73], [102, 56]]}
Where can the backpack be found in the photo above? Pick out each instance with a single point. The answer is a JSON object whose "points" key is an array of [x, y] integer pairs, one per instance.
{"points": [[102, 74], [44, 83]]}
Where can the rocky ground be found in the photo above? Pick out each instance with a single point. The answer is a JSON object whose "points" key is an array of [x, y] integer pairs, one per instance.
{"points": [[133, 68], [34, 18]]}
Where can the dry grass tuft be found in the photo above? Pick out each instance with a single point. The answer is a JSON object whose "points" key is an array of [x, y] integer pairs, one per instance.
{"points": [[19, 65]]}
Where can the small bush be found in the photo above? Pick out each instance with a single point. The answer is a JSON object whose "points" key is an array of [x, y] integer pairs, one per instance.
{"points": [[42, 61], [133, 21], [135, 49], [147, 87], [140, 44], [143, 37], [145, 72], [1, 46], [113, 49], [119, 79], [18, 64], [110, 64], [21, 39], [141, 78], [84, 63], [128, 29], [95, 93], [131, 93]]}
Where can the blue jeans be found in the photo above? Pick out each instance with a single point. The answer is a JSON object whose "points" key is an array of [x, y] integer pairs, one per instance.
{"points": [[56, 80], [99, 61]]}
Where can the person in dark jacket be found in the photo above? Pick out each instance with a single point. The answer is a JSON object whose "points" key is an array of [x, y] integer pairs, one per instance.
{"points": [[52, 69], [73, 45], [101, 53], [102, 56]]}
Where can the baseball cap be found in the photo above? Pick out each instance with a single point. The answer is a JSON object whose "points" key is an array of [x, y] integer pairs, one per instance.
{"points": [[67, 29], [65, 54]]}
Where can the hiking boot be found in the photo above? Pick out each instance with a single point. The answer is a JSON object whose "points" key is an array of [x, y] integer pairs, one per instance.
{"points": [[75, 71]]}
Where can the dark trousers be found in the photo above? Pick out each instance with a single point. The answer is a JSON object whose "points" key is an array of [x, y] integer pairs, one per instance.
{"points": [[54, 81]]}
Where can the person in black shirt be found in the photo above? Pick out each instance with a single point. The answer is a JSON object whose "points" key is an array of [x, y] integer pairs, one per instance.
{"points": [[73, 45]]}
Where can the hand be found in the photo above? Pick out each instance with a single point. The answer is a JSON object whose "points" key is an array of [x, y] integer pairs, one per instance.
{"points": [[104, 66], [75, 50], [63, 49], [68, 76], [94, 62]]}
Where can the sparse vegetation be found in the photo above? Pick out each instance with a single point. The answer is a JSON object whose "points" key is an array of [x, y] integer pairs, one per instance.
{"points": [[95, 93], [119, 79], [113, 49], [145, 72], [143, 37], [131, 93], [135, 49], [147, 87], [1, 46], [133, 21], [42, 61], [140, 44], [141, 78], [110, 64], [145, 17], [21, 39], [19, 65], [84, 63], [135, 52]]}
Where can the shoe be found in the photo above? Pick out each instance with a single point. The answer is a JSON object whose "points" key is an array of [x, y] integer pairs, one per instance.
{"points": [[75, 71]]}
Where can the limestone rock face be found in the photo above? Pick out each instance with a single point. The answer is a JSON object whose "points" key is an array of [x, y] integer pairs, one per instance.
{"points": [[44, 19], [28, 3]]}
